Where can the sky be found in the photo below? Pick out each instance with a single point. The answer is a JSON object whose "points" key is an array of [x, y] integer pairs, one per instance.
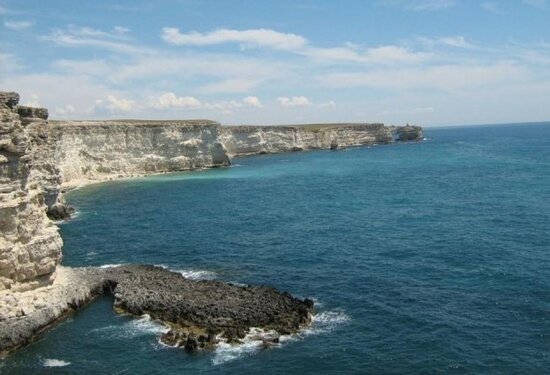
{"points": [[426, 62]]}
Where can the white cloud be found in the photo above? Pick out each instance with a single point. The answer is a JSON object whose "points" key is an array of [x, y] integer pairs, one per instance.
{"points": [[120, 30], [450, 41], [295, 101], [17, 25], [231, 86], [293, 43], [114, 104], [492, 6], [329, 104], [88, 37], [536, 3], [378, 55], [432, 4], [247, 38], [423, 110], [64, 111], [443, 77], [252, 101], [9, 63], [52, 89], [421, 5], [170, 100], [33, 102]]}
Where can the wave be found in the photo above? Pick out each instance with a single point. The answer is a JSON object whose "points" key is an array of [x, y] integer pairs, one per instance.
{"points": [[52, 362], [251, 343], [257, 338], [111, 265], [142, 326], [192, 274], [75, 215]]}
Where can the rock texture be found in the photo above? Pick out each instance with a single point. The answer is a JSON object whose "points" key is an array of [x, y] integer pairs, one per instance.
{"points": [[407, 133], [249, 140], [24, 315], [88, 151], [30, 246], [198, 313]]}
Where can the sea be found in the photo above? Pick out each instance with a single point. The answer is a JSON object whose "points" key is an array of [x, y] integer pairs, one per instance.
{"points": [[427, 257]]}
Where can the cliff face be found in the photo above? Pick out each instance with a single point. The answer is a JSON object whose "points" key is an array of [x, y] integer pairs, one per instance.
{"points": [[247, 140], [30, 245], [95, 151]]}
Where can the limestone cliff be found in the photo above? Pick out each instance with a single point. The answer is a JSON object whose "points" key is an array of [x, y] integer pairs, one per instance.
{"points": [[30, 245], [248, 140], [88, 151]]}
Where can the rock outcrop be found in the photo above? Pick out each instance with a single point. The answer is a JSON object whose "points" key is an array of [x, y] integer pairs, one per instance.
{"points": [[30, 245], [197, 313], [407, 133]]}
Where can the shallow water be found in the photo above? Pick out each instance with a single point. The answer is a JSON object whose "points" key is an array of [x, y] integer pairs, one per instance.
{"points": [[423, 257]]}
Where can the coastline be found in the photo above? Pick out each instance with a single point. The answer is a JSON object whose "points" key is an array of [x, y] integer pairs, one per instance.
{"points": [[44, 161]]}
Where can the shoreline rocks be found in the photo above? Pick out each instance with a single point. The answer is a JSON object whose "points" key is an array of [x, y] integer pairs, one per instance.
{"points": [[198, 313]]}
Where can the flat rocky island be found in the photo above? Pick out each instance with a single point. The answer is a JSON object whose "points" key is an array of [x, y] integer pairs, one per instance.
{"points": [[40, 160]]}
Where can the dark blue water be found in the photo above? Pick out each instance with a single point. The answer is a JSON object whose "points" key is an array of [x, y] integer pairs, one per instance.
{"points": [[429, 257]]}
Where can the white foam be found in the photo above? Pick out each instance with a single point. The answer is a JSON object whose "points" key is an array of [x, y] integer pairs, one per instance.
{"points": [[52, 362], [73, 216], [197, 274], [191, 273], [255, 340], [225, 352], [143, 326], [111, 265]]}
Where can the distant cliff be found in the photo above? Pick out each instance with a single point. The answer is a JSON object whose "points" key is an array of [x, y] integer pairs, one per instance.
{"points": [[87, 151], [247, 140], [98, 150]]}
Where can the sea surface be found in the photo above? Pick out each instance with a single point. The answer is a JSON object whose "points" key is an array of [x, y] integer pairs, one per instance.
{"points": [[429, 257]]}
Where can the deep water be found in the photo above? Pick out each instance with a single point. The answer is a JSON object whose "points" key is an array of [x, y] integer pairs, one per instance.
{"points": [[429, 257]]}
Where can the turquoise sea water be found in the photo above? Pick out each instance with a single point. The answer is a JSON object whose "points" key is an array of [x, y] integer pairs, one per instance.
{"points": [[429, 257]]}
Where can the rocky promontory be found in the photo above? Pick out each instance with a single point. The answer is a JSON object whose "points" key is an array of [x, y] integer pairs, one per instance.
{"points": [[197, 313]]}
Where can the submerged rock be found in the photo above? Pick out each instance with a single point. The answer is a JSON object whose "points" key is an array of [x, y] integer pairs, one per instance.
{"points": [[60, 211]]}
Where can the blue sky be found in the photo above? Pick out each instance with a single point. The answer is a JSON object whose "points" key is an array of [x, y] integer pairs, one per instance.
{"points": [[430, 62]]}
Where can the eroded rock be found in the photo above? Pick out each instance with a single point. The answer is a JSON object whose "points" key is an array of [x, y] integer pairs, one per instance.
{"points": [[198, 313]]}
